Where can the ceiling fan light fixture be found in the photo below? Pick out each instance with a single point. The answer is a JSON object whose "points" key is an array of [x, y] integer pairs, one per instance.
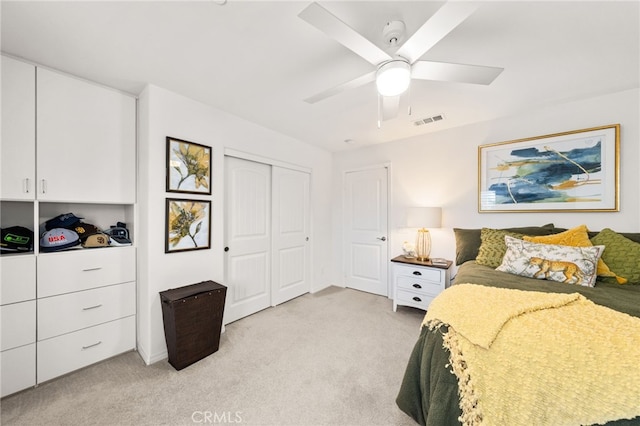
{"points": [[393, 77]]}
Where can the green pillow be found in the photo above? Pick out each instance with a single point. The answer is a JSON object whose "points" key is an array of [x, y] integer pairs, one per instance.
{"points": [[621, 254], [493, 246], [468, 240]]}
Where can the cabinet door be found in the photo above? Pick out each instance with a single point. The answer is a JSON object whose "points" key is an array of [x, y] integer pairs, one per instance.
{"points": [[18, 130], [86, 141]]}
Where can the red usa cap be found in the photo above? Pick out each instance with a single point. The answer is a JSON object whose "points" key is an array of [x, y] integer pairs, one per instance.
{"points": [[58, 239]]}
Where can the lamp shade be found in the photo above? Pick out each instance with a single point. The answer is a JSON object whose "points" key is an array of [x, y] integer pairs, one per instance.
{"points": [[424, 217], [393, 78]]}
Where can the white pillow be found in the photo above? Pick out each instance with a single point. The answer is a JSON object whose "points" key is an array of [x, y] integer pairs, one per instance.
{"points": [[566, 264]]}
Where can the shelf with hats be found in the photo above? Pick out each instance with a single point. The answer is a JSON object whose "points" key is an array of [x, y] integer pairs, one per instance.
{"points": [[90, 226]]}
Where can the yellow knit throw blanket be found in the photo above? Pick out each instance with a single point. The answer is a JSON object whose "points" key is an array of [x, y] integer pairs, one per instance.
{"points": [[532, 358]]}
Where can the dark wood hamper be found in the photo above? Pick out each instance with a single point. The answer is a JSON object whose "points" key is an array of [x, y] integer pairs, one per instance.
{"points": [[192, 321]]}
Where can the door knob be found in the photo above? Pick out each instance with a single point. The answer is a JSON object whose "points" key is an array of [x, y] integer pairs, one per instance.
{"points": [[382, 238]]}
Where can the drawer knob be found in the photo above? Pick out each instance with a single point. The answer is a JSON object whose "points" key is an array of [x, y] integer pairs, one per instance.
{"points": [[91, 307], [91, 346], [417, 273], [417, 299], [417, 286]]}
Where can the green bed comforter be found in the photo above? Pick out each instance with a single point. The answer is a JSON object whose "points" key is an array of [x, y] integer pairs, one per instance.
{"points": [[429, 391]]}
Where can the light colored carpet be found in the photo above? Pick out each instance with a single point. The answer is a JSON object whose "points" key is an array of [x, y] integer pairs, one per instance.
{"points": [[335, 357]]}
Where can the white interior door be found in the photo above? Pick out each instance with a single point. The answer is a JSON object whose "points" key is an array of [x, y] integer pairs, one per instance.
{"points": [[365, 248], [248, 227], [291, 255]]}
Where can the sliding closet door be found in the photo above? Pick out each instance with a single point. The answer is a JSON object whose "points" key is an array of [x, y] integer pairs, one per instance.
{"points": [[291, 255], [248, 227]]}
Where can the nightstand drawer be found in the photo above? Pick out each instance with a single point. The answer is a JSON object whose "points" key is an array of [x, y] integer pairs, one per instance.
{"points": [[419, 285], [417, 300], [430, 274]]}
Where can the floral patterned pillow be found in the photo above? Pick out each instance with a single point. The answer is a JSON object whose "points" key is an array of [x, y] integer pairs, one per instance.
{"points": [[566, 264]]}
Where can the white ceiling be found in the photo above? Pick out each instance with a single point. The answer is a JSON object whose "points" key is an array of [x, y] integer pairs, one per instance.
{"points": [[259, 60]]}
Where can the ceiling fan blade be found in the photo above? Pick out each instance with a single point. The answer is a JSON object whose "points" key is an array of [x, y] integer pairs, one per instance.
{"points": [[460, 73], [389, 106], [328, 23], [356, 82], [435, 29]]}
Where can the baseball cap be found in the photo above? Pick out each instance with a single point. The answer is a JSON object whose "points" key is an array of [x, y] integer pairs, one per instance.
{"points": [[96, 240], [119, 236], [16, 239], [84, 230], [58, 239], [62, 221]]}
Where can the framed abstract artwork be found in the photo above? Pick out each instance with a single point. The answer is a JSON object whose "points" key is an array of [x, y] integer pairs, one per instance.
{"points": [[188, 167], [563, 172], [187, 225]]}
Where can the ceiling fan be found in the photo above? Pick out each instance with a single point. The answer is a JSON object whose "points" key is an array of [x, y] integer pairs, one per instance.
{"points": [[394, 72]]}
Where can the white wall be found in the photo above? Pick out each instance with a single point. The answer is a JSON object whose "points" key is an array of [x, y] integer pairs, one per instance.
{"points": [[163, 113], [440, 169]]}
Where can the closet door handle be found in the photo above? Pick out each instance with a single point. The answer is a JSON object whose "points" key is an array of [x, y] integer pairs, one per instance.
{"points": [[381, 238], [27, 186], [44, 186]]}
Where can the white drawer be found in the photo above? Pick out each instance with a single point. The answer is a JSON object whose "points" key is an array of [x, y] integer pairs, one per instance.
{"points": [[18, 324], [416, 300], [430, 274], [65, 272], [72, 351], [419, 285], [18, 278], [18, 369], [74, 311]]}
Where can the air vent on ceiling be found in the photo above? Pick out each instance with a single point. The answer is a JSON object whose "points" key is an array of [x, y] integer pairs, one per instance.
{"points": [[428, 120]]}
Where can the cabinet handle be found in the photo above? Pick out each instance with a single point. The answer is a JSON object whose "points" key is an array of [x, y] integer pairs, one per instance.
{"points": [[92, 269], [27, 187], [417, 286], [417, 273], [44, 186], [91, 346], [417, 299], [91, 307]]}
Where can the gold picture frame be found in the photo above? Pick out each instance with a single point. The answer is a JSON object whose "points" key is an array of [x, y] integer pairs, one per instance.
{"points": [[561, 172]]}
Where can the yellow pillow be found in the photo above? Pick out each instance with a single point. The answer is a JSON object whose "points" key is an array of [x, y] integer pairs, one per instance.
{"points": [[575, 237]]}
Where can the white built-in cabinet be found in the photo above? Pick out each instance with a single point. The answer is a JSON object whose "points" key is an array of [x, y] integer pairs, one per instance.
{"points": [[18, 150], [68, 145]]}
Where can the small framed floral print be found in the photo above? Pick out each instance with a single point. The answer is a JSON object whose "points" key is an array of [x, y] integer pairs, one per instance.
{"points": [[188, 167], [188, 225]]}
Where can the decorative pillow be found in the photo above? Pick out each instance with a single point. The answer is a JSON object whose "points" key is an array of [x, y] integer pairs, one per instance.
{"points": [[493, 247], [468, 240], [575, 237], [566, 264], [621, 254]]}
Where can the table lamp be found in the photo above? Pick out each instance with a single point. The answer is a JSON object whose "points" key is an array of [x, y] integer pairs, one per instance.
{"points": [[423, 218]]}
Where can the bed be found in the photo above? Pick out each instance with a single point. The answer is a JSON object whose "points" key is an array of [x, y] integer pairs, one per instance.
{"points": [[433, 394]]}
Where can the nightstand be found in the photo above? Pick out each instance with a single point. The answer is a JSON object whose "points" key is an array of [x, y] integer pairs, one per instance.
{"points": [[416, 283]]}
